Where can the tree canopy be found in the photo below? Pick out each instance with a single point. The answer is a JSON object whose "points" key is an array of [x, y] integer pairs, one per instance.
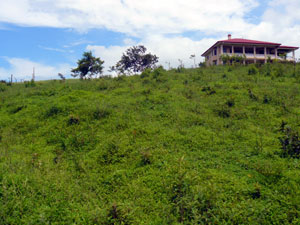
{"points": [[88, 66], [135, 60]]}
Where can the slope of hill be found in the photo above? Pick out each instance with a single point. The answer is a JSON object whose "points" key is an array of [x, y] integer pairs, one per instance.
{"points": [[169, 147]]}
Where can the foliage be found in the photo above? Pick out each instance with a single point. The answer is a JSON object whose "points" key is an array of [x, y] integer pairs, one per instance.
{"points": [[166, 147], [252, 70], [88, 66], [232, 59], [30, 83], [290, 141], [135, 60]]}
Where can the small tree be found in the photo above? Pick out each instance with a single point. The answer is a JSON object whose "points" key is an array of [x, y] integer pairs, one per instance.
{"points": [[61, 76], [135, 60], [88, 66]]}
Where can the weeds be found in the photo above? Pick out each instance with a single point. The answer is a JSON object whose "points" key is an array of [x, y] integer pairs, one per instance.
{"points": [[114, 144]]}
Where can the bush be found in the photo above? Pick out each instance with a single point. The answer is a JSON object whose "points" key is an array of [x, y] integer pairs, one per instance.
{"points": [[103, 85], [146, 73], [208, 90], [52, 111], [158, 73], [73, 120], [224, 112], [290, 142], [146, 157], [2, 87], [267, 99], [230, 102], [100, 113], [30, 83], [17, 108], [118, 215], [252, 96], [252, 70], [279, 70]]}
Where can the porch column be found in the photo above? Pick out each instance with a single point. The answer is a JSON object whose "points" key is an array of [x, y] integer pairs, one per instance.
{"points": [[294, 55], [244, 54], [221, 51], [276, 53], [254, 51], [218, 55], [265, 49], [232, 49]]}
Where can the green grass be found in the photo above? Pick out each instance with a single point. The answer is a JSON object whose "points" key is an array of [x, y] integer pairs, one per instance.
{"points": [[189, 146]]}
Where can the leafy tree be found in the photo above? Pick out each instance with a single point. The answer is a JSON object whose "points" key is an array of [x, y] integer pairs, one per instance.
{"points": [[88, 66], [135, 60]]}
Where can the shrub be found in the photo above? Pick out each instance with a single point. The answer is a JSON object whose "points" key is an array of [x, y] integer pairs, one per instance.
{"points": [[158, 73], [118, 215], [188, 93], [279, 70], [290, 142], [30, 83], [17, 108], [180, 69], [111, 154], [252, 70], [271, 170], [230, 102], [146, 157], [224, 112], [52, 111], [100, 113], [146, 73], [252, 96], [267, 99], [2, 87], [256, 193], [73, 120], [208, 90]]}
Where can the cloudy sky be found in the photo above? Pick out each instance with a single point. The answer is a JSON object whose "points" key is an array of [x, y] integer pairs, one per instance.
{"points": [[51, 35]]}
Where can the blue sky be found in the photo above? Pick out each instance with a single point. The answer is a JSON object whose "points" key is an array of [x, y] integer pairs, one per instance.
{"points": [[52, 35]]}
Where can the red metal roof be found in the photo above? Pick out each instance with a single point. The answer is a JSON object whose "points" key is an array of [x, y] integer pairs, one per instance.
{"points": [[284, 46], [247, 41]]}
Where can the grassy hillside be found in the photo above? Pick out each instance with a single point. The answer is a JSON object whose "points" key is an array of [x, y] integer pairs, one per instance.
{"points": [[178, 147]]}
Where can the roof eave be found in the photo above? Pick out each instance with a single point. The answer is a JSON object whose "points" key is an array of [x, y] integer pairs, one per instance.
{"points": [[210, 48], [226, 42]]}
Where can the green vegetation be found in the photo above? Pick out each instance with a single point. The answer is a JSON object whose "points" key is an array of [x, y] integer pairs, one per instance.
{"points": [[134, 60], [214, 145], [89, 66], [234, 59]]}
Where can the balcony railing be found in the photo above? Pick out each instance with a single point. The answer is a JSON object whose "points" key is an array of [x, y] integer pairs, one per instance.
{"points": [[262, 56]]}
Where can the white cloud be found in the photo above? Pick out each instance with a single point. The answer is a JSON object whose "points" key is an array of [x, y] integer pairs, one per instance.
{"points": [[111, 55], [152, 20], [23, 69], [52, 49], [169, 50], [133, 17], [280, 23]]}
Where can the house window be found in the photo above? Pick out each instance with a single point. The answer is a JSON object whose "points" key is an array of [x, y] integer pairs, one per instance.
{"points": [[215, 51]]}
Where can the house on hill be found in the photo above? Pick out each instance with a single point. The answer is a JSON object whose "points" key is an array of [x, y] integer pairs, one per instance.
{"points": [[251, 51]]}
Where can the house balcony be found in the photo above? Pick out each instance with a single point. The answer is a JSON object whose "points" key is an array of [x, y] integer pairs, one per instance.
{"points": [[261, 56]]}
